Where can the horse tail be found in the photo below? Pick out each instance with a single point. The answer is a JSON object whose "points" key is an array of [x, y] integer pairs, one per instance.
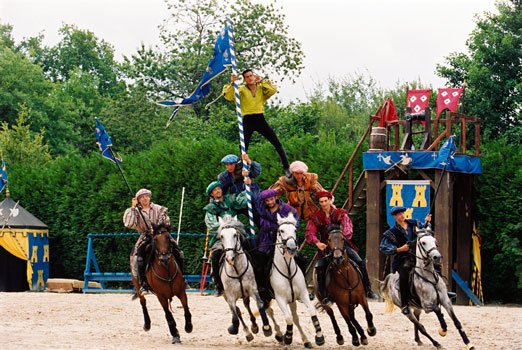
{"points": [[384, 288]]}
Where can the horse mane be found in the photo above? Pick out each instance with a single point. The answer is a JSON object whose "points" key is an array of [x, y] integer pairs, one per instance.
{"points": [[161, 227]]}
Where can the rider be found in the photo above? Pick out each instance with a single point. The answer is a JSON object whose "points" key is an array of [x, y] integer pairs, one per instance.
{"points": [[143, 215], [396, 241], [219, 206], [232, 179], [322, 221], [268, 206]]}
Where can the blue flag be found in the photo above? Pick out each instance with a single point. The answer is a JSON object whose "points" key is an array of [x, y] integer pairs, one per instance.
{"points": [[217, 65], [3, 176], [104, 142], [447, 151]]}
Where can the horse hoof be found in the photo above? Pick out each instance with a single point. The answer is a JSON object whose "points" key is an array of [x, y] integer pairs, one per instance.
{"points": [[470, 347], [254, 328], [356, 342], [176, 340], [267, 330], [419, 343], [279, 338], [442, 332], [288, 340], [438, 346], [364, 341], [308, 345], [188, 327], [233, 330], [146, 327], [371, 331], [249, 337], [319, 340], [340, 340]]}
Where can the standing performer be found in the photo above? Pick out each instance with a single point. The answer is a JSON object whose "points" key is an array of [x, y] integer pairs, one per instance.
{"points": [[396, 241], [320, 222], [232, 179], [253, 96], [143, 215], [298, 189], [219, 206]]}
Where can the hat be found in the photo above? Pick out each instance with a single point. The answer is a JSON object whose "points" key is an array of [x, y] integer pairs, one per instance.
{"points": [[322, 194], [211, 187], [230, 158], [398, 209], [298, 166], [142, 192], [268, 194]]}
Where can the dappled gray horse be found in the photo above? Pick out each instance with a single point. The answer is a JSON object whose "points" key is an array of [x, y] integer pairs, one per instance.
{"points": [[428, 286], [238, 279], [289, 284]]}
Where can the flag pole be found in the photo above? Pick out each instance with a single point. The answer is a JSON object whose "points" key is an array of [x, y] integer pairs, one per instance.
{"points": [[240, 124], [180, 213]]}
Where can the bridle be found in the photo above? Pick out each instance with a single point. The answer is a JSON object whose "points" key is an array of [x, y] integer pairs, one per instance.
{"points": [[283, 246], [164, 259]]}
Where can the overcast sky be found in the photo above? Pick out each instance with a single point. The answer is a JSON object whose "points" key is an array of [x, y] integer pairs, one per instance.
{"points": [[391, 40]]}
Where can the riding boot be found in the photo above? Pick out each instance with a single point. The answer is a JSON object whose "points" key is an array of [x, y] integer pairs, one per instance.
{"points": [[404, 285], [321, 284], [300, 260], [366, 280], [178, 255], [438, 269], [142, 266], [215, 260]]}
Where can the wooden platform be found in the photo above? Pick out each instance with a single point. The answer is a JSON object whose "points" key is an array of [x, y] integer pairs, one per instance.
{"points": [[66, 285]]}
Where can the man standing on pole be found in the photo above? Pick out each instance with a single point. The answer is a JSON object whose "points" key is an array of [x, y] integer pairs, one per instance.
{"points": [[253, 96]]}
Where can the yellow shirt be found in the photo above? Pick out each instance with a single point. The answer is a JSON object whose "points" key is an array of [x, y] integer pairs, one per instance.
{"points": [[251, 103]]}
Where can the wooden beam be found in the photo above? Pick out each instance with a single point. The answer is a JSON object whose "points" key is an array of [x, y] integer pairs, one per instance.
{"points": [[374, 225], [443, 220], [463, 230]]}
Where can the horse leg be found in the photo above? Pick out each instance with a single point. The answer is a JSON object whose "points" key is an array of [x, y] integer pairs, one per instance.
{"points": [[267, 330], [293, 309], [360, 330], [337, 330], [346, 315], [288, 318], [188, 316], [447, 305], [278, 335], [369, 318], [146, 317], [249, 336], [254, 328], [319, 337], [443, 326], [416, 313], [420, 327], [165, 303], [234, 327]]}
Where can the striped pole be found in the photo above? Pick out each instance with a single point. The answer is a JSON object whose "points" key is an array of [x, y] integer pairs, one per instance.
{"points": [[240, 123]]}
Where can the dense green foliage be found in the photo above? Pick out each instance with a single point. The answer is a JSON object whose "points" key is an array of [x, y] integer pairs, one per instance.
{"points": [[49, 97]]}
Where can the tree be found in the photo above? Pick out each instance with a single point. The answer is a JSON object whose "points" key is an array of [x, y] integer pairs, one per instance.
{"points": [[262, 43], [492, 69]]}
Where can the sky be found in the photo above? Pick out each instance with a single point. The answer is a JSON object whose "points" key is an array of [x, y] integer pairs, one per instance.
{"points": [[389, 40]]}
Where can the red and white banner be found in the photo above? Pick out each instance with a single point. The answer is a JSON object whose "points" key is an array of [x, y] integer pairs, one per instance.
{"points": [[448, 98], [387, 112], [418, 100]]}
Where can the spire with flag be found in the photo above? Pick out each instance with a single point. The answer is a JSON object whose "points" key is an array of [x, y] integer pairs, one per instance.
{"points": [[104, 142], [3, 176], [220, 60]]}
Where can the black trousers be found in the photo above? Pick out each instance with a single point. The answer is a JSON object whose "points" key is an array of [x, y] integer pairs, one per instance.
{"points": [[257, 122], [404, 282]]}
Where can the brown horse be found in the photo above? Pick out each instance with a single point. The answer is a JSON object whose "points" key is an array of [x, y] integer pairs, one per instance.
{"points": [[165, 280], [346, 290]]}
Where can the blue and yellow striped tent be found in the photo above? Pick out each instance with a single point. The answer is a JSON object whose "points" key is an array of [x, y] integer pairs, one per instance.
{"points": [[24, 249]]}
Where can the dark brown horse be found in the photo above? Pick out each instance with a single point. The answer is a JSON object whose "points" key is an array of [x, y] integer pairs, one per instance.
{"points": [[346, 289], [166, 280]]}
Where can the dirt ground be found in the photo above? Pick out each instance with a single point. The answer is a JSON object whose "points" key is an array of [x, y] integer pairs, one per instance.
{"points": [[112, 321]]}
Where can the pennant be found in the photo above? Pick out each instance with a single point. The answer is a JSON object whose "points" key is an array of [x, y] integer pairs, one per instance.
{"points": [[448, 98], [418, 100], [387, 112], [447, 151], [104, 142], [3, 176], [220, 60]]}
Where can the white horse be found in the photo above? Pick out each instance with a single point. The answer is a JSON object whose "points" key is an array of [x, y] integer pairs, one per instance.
{"points": [[289, 284], [428, 286], [238, 279]]}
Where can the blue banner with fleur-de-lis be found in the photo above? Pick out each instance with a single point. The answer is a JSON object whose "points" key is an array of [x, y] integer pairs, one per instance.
{"points": [[414, 195]]}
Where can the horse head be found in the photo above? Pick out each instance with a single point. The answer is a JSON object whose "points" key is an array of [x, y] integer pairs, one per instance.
{"points": [[230, 231], [286, 234], [161, 236], [336, 242], [427, 247]]}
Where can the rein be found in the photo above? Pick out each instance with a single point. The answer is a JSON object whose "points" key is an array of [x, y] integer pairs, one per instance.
{"points": [[169, 257], [282, 249], [237, 251]]}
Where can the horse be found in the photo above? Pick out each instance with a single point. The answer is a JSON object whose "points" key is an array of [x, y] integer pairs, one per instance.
{"points": [[289, 285], [165, 280], [238, 279], [346, 289], [428, 286]]}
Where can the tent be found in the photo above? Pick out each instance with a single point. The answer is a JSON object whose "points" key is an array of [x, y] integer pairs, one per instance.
{"points": [[24, 249]]}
